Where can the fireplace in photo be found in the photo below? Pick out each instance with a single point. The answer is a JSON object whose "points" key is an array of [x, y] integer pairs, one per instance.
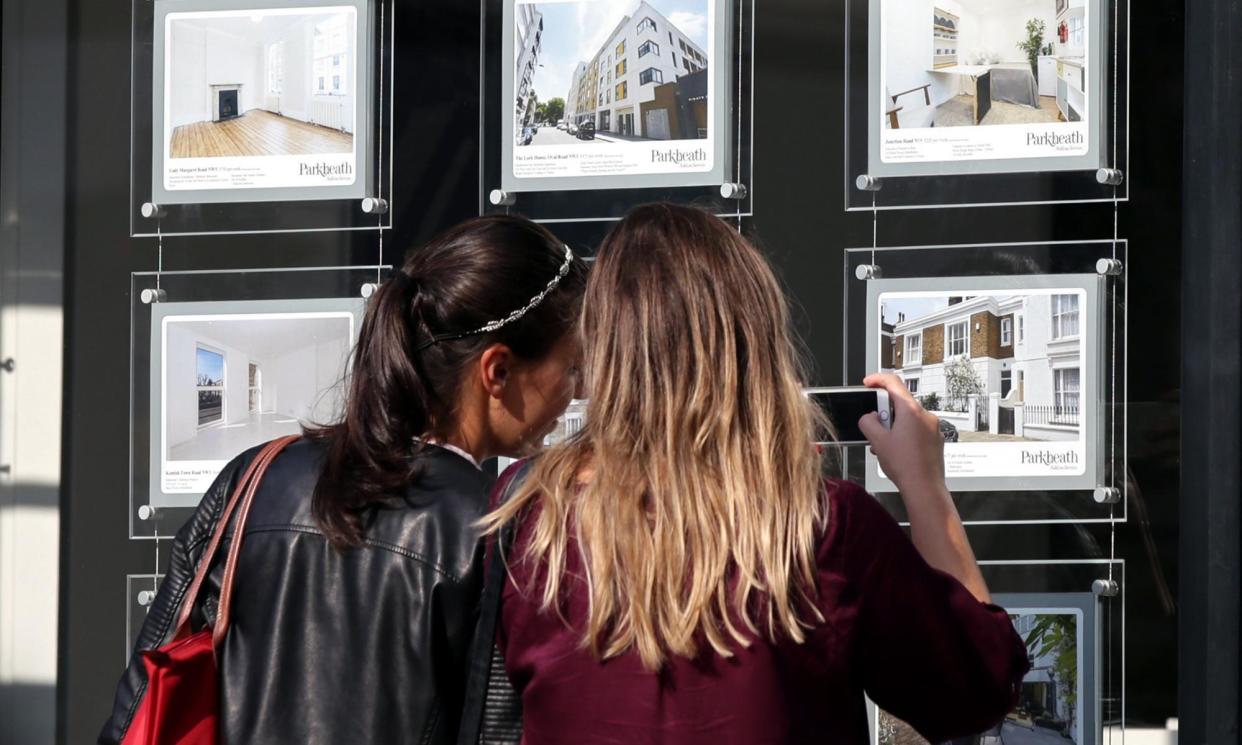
{"points": [[225, 102]]}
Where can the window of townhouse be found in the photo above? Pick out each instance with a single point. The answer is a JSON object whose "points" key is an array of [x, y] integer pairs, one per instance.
{"points": [[647, 24], [650, 75], [649, 47], [1064, 316], [620, 68], [622, 91], [912, 385], [620, 49], [1065, 386], [914, 349], [958, 344], [1006, 332], [1021, 328]]}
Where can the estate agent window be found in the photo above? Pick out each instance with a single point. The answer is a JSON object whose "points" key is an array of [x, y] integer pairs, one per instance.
{"points": [[1065, 387], [209, 366], [957, 339], [649, 47], [331, 52], [650, 75], [1006, 332], [914, 349], [1064, 316]]}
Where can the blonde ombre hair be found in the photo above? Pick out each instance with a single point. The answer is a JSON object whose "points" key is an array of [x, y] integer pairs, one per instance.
{"points": [[694, 491]]}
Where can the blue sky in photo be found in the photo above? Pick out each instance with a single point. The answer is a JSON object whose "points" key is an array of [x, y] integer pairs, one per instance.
{"points": [[210, 364], [574, 31]]}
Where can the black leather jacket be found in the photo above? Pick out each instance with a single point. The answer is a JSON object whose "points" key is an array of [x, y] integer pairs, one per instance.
{"points": [[365, 646]]}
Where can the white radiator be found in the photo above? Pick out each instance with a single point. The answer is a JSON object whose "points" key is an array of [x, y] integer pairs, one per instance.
{"points": [[272, 104], [328, 114]]}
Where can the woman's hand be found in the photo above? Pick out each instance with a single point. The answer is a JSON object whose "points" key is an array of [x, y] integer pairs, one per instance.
{"points": [[912, 452], [912, 456]]}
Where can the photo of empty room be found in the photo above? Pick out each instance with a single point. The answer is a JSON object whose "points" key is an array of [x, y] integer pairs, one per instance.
{"points": [[964, 63], [232, 382], [993, 367], [260, 82]]}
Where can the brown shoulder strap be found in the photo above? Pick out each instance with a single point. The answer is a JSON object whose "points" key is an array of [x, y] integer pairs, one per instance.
{"points": [[206, 560], [239, 531]]}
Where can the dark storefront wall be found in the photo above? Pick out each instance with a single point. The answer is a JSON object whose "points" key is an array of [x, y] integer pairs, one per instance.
{"points": [[798, 221]]}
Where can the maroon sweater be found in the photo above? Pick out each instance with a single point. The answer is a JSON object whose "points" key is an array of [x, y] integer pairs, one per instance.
{"points": [[912, 638]]}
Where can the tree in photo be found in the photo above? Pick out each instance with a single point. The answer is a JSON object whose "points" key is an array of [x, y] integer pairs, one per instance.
{"points": [[551, 111], [1055, 638], [961, 381]]}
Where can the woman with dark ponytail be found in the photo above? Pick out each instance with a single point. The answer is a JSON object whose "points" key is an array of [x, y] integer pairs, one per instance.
{"points": [[359, 577]]}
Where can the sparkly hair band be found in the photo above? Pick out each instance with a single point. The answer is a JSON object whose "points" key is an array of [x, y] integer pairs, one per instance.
{"points": [[514, 316]]}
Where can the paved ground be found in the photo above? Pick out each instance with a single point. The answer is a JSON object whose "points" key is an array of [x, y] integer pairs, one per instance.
{"points": [[554, 136], [1016, 734], [989, 437]]}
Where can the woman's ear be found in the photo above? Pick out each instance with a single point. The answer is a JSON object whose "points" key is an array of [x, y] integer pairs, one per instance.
{"points": [[495, 367]]}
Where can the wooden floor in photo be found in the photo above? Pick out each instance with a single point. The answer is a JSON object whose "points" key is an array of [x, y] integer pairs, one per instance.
{"points": [[257, 133]]}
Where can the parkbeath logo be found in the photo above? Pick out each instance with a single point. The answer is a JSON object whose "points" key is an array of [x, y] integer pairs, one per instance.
{"points": [[1049, 458]]}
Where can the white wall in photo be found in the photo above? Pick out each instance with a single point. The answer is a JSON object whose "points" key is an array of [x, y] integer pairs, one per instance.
{"points": [[202, 57], [997, 26]]}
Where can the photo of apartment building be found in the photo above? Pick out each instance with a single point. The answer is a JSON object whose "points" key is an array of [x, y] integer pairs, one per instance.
{"points": [[528, 42], [645, 80], [995, 367]]}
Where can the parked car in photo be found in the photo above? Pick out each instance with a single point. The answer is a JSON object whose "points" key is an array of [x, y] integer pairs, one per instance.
{"points": [[948, 431], [526, 135], [561, 125], [571, 128], [586, 131]]}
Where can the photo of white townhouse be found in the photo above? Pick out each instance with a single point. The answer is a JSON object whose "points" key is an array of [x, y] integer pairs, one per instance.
{"points": [[642, 77], [952, 63], [994, 367]]}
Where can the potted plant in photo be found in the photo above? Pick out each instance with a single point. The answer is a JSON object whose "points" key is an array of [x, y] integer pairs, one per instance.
{"points": [[1034, 42]]}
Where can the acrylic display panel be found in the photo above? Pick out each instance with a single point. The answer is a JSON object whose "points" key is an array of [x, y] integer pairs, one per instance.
{"points": [[140, 591], [1019, 349], [227, 361], [593, 106], [957, 102], [1060, 698], [260, 115]]}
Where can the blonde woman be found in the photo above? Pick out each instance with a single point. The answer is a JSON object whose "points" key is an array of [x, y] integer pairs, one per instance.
{"points": [[682, 573]]}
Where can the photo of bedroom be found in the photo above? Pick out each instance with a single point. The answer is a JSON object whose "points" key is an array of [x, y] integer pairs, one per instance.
{"points": [[261, 82], [966, 63]]}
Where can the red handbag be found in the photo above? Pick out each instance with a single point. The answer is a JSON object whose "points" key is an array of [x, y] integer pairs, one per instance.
{"points": [[182, 701]]}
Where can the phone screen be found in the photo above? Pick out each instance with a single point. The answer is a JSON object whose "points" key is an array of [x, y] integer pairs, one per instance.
{"points": [[845, 408]]}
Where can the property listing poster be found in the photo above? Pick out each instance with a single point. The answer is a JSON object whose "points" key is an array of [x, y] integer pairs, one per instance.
{"points": [[969, 80], [261, 98], [614, 87], [1049, 706], [1004, 372], [231, 381]]}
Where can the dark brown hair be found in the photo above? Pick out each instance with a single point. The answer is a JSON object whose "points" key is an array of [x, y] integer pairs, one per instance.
{"points": [[402, 386]]}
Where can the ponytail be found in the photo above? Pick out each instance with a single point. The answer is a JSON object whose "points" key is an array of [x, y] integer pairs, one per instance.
{"points": [[404, 381]]}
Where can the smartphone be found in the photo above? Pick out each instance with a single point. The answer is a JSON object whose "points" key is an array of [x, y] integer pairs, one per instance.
{"points": [[845, 406]]}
